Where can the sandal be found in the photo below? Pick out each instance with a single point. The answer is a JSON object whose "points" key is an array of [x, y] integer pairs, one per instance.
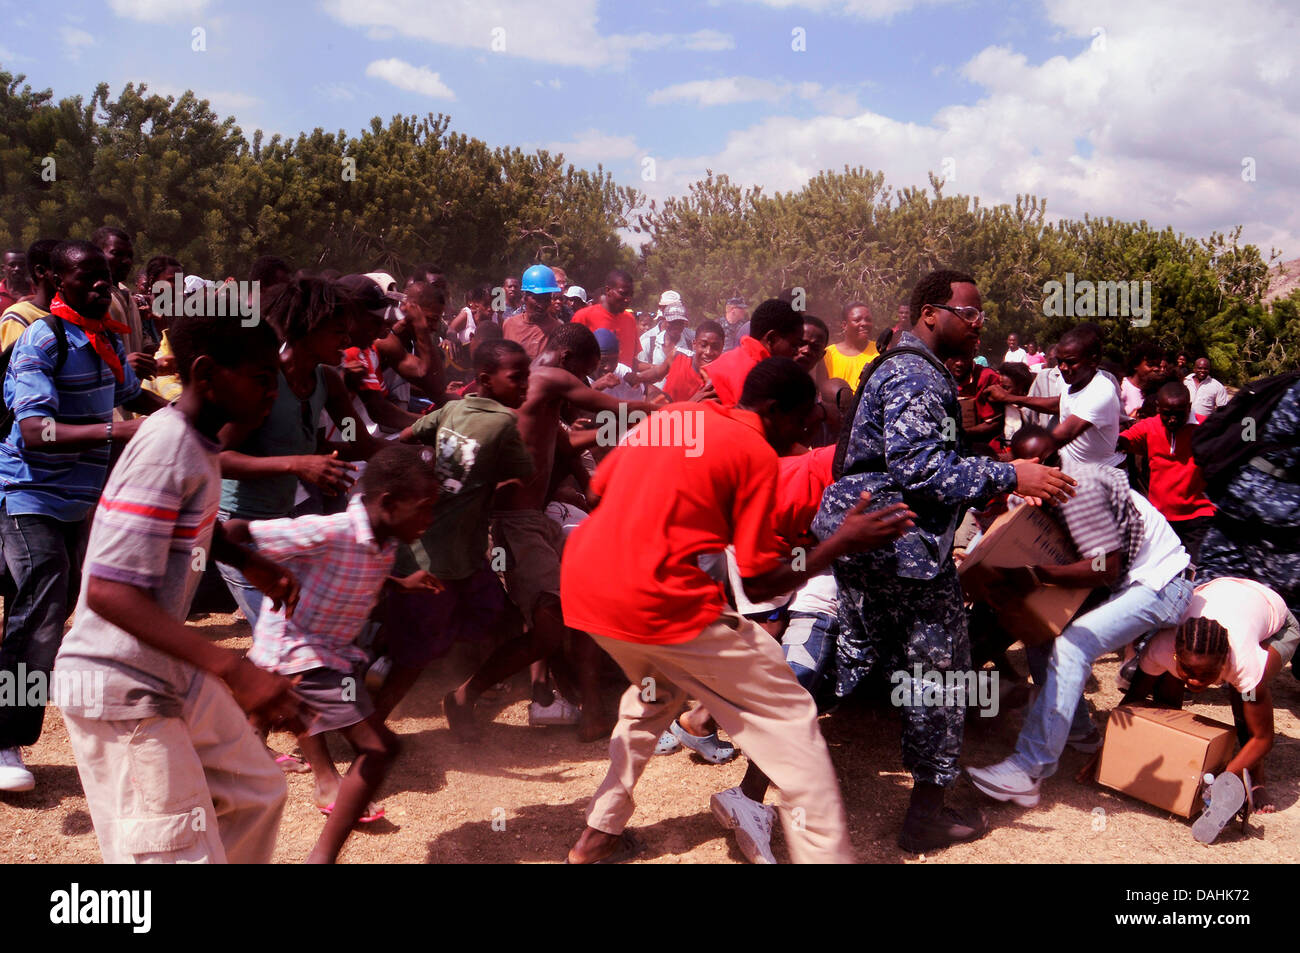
{"points": [[372, 813], [707, 746], [668, 743], [1227, 795], [293, 764]]}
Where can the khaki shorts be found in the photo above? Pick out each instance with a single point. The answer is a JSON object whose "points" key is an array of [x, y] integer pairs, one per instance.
{"points": [[200, 788], [532, 542]]}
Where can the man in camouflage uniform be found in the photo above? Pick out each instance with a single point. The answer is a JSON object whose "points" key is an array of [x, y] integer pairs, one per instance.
{"points": [[901, 606], [1256, 531]]}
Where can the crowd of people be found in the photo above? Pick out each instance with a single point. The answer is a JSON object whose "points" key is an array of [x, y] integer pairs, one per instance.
{"points": [[376, 477]]}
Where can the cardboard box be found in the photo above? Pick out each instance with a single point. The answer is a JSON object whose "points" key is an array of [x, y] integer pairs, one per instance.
{"points": [[1159, 755], [1029, 536]]}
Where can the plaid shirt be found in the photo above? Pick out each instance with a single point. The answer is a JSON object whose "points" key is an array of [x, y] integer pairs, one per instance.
{"points": [[341, 570], [1100, 516]]}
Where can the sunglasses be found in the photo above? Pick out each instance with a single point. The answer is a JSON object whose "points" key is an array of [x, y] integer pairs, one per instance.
{"points": [[970, 315]]}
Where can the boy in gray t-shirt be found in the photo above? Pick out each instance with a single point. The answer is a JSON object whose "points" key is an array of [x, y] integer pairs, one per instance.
{"points": [[157, 715]]}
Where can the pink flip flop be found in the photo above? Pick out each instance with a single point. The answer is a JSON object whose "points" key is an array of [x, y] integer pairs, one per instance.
{"points": [[364, 819]]}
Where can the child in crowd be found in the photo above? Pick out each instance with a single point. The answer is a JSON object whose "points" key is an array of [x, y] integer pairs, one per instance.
{"points": [[344, 560], [685, 375], [531, 541], [164, 747], [477, 446]]}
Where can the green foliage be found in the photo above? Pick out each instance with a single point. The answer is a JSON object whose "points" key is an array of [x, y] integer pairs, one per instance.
{"points": [[846, 236], [187, 183]]}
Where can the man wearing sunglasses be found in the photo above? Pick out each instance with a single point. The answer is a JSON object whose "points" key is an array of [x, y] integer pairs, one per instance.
{"points": [[901, 606]]}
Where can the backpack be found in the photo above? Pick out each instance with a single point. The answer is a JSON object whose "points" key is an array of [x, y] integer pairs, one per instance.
{"points": [[846, 430], [55, 324], [1217, 445]]}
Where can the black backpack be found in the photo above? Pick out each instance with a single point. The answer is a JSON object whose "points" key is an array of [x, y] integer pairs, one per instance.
{"points": [[1217, 445], [56, 325], [846, 427]]}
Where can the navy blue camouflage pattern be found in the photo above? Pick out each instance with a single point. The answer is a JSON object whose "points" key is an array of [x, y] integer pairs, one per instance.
{"points": [[908, 431], [1256, 532], [901, 606]]}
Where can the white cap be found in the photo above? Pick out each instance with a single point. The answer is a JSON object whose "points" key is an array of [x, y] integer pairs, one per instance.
{"points": [[576, 291], [385, 281]]}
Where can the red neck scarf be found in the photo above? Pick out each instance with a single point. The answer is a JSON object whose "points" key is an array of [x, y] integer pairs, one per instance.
{"points": [[94, 329]]}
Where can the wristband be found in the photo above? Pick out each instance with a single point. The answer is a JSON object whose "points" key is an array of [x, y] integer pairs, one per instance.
{"points": [[108, 431]]}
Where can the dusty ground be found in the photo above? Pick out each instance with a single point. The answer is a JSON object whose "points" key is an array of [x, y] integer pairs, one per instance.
{"points": [[442, 798]]}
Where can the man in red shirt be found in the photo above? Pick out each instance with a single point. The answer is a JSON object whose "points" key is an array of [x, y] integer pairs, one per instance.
{"points": [[1177, 486], [610, 311], [691, 479], [776, 330]]}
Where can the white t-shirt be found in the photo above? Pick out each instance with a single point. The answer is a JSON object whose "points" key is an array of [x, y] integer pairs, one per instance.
{"points": [[652, 345], [624, 391], [1161, 555], [1249, 611], [1131, 394], [1018, 356], [1097, 403]]}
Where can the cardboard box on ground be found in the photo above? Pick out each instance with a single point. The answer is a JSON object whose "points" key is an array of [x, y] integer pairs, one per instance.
{"points": [[1159, 755], [1029, 536]]}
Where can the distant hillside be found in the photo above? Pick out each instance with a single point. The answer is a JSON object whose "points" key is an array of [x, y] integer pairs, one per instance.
{"points": [[1283, 279]]}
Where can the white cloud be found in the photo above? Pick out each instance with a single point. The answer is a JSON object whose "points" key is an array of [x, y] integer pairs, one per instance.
{"points": [[224, 102], [76, 39], [563, 32], [415, 79], [863, 9], [722, 92], [156, 11], [336, 92], [1169, 105], [594, 146], [728, 90]]}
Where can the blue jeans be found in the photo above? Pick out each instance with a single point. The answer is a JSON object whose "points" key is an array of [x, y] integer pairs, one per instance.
{"points": [[247, 596], [1127, 615], [43, 556]]}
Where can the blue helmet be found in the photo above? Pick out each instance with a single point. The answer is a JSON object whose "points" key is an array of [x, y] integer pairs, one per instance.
{"points": [[539, 280]]}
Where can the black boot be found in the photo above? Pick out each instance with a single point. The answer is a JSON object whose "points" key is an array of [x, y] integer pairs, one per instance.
{"points": [[927, 830]]}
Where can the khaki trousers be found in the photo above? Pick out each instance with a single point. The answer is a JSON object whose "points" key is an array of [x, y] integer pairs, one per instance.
{"points": [[737, 671], [200, 788]]}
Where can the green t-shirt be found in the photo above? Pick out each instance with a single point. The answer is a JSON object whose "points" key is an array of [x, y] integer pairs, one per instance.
{"points": [[476, 446]]}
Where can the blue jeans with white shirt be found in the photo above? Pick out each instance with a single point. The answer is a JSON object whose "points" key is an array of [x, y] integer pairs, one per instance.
{"points": [[1127, 615]]}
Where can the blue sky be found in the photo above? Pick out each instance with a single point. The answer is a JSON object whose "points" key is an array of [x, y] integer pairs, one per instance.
{"points": [[1109, 107]]}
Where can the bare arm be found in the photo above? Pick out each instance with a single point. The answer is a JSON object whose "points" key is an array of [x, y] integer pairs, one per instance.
{"points": [[859, 532], [48, 434], [338, 404]]}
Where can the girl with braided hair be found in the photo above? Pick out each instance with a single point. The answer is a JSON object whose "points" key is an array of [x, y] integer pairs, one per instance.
{"points": [[1239, 633]]}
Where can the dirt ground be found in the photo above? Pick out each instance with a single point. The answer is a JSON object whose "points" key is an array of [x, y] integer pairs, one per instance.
{"points": [[519, 795]]}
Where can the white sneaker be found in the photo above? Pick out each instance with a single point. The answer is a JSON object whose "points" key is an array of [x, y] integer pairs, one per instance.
{"points": [[559, 712], [14, 775], [751, 821], [1004, 781]]}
